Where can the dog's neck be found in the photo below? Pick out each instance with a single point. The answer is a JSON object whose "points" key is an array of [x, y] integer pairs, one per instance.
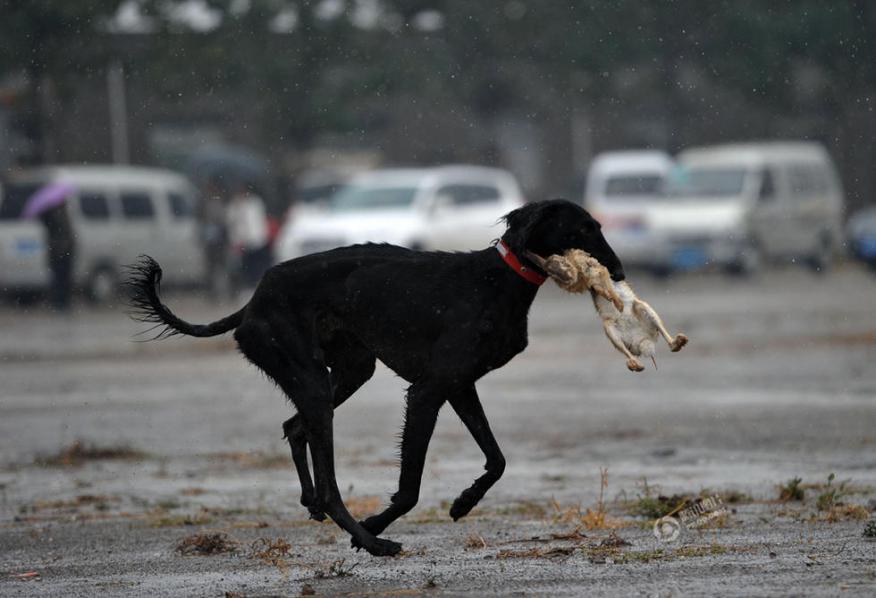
{"points": [[528, 274]]}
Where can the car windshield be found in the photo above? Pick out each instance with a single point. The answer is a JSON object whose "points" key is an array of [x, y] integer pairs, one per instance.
{"points": [[372, 197], [705, 182], [631, 185], [13, 199], [317, 193]]}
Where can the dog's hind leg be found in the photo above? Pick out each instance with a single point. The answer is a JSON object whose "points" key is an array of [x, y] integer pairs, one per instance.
{"points": [[293, 432], [423, 403], [351, 367], [285, 355], [318, 418], [469, 409]]}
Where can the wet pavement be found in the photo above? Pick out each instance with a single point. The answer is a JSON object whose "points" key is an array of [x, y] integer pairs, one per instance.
{"points": [[777, 383]]}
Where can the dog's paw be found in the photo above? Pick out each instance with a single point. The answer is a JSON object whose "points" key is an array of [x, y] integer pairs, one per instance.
{"points": [[463, 505], [678, 342], [382, 547], [634, 366], [316, 513], [378, 547]]}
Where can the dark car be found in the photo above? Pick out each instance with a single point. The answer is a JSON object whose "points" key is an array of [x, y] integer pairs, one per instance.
{"points": [[862, 235]]}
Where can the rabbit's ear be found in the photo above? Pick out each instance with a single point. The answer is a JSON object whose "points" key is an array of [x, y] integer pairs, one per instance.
{"points": [[556, 266], [537, 260]]}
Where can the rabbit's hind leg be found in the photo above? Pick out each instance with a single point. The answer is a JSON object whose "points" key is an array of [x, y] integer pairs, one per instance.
{"points": [[647, 314], [633, 364]]}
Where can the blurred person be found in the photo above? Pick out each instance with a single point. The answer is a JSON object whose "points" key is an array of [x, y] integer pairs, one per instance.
{"points": [[248, 236], [214, 236], [61, 255]]}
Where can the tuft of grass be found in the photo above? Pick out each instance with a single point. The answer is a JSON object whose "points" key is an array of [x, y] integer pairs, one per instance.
{"points": [[161, 518], [336, 568], [792, 490], [655, 507], [79, 452], [730, 497], [613, 541], [591, 519], [844, 513], [870, 530], [254, 460], [527, 508], [272, 552], [652, 505], [99, 502], [475, 541], [700, 551], [536, 553], [599, 554], [206, 544], [832, 495]]}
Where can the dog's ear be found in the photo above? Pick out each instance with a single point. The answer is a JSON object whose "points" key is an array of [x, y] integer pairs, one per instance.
{"points": [[523, 220]]}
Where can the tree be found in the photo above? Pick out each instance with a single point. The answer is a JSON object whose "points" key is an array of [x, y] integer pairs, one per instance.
{"points": [[51, 42]]}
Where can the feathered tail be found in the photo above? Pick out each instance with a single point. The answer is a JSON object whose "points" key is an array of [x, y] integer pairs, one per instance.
{"points": [[144, 279]]}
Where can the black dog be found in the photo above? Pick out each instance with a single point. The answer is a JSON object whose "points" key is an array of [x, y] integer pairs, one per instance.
{"points": [[317, 324]]}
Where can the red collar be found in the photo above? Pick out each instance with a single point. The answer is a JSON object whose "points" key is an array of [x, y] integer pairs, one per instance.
{"points": [[514, 263]]}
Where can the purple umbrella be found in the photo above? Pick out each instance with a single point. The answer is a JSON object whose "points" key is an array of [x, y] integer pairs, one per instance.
{"points": [[53, 194]]}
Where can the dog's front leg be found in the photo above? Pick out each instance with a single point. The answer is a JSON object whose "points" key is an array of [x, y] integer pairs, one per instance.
{"points": [[469, 409], [421, 412]]}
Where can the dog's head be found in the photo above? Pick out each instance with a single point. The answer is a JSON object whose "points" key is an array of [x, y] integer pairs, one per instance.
{"points": [[551, 227]]}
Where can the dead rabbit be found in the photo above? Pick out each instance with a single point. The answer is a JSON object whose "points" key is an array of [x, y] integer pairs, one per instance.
{"points": [[630, 324]]}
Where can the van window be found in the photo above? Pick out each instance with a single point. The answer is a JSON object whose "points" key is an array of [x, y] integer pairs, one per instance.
{"points": [[467, 195], [94, 206], [180, 206], [137, 206], [633, 184], [705, 182], [13, 198], [372, 196], [807, 179]]}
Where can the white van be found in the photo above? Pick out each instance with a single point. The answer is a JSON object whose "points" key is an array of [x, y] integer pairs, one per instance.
{"points": [[446, 207], [737, 205], [622, 189], [117, 213]]}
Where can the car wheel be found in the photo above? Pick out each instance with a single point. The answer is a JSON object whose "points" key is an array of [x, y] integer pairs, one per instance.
{"points": [[662, 272], [820, 261], [102, 286], [748, 262]]}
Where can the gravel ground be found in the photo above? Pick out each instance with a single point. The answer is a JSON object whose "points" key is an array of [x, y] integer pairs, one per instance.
{"points": [[777, 383]]}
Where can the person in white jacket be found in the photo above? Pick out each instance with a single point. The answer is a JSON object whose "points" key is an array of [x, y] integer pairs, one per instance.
{"points": [[248, 235]]}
